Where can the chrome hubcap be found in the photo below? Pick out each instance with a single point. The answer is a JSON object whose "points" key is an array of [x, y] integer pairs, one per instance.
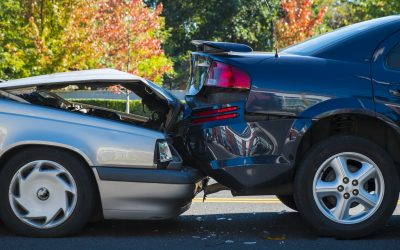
{"points": [[43, 194], [348, 188]]}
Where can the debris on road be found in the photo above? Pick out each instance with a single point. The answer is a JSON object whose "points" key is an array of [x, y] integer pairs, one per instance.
{"points": [[250, 242], [277, 237], [265, 234], [268, 236], [199, 219], [282, 212]]}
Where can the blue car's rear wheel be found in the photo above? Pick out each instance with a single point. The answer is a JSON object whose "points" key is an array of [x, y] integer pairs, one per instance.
{"points": [[347, 187], [45, 192]]}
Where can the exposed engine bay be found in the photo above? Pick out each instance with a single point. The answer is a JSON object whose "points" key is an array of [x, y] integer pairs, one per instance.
{"points": [[156, 109]]}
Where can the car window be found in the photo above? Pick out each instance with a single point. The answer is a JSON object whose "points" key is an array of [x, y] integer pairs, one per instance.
{"points": [[393, 58], [199, 66]]}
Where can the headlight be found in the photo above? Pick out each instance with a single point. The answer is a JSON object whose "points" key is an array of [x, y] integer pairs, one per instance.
{"points": [[164, 152]]}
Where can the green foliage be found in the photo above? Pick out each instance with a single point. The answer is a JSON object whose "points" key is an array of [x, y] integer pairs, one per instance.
{"points": [[250, 22], [32, 35], [343, 12], [47, 36], [123, 34], [242, 21], [15, 46]]}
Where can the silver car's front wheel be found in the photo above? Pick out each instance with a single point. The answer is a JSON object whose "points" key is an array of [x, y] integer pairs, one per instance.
{"points": [[43, 194], [46, 192], [348, 188]]}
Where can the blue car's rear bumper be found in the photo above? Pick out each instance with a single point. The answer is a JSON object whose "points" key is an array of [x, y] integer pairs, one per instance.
{"points": [[246, 157]]}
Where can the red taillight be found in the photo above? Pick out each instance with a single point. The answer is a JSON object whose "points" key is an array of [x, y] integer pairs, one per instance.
{"points": [[215, 118], [215, 111], [211, 115], [227, 76]]}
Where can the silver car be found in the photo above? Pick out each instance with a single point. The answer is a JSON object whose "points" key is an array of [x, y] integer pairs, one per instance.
{"points": [[64, 163]]}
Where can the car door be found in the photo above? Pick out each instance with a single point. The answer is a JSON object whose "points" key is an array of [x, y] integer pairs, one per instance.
{"points": [[385, 69]]}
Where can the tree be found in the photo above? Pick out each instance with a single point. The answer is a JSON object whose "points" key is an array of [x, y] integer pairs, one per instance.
{"points": [[30, 36], [46, 36], [121, 34], [243, 21], [299, 22], [345, 12], [11, 55]]}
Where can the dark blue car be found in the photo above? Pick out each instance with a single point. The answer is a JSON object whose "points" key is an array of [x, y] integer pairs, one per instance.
{"points": [[317, 124]]}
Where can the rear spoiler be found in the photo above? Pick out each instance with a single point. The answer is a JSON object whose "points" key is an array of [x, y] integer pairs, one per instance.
{"points": [[220, 47]]}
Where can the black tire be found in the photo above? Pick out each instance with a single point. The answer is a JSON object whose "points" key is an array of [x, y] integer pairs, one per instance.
{"points": [[85, 186], [304, 179], [288, 200]]}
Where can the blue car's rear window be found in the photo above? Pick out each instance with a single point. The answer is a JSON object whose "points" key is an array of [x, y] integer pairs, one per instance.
{"points": [[199, 66]]}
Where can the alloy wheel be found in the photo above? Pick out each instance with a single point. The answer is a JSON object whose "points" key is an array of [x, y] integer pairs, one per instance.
{"points": [[348, 188]]}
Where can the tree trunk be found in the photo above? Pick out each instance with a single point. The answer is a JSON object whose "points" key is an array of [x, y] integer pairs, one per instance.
{"points": [[42, 3], [29, 8]]}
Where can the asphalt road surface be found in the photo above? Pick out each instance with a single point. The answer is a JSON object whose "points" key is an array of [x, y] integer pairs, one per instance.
{"points": [[223, 222]]}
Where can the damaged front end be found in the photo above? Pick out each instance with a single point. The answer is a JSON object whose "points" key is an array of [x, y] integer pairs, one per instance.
{"points": [[160, 109], [139, 171]]}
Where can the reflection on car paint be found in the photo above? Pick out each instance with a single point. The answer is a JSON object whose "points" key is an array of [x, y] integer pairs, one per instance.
{"points": [[289, 103], [238, 140], [122, 156]]}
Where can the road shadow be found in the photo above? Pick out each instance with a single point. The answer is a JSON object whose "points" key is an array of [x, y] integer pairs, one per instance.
{"points": [[219, 227]]}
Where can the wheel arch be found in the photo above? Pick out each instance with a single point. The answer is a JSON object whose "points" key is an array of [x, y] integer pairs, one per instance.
{"points": [[13, 150], [362, 124]]}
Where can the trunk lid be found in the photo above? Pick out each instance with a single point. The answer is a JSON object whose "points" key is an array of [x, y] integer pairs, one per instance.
{"points": [[174, 104], [145, 89], [238, 57]]}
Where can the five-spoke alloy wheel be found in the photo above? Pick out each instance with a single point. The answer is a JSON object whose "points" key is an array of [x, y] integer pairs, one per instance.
{"points": [[347, 187], [46, 192]]}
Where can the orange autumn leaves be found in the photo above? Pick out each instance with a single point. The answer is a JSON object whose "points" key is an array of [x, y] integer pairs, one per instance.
{"points": [[46, 36], [299, 22], [126, 35]]}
